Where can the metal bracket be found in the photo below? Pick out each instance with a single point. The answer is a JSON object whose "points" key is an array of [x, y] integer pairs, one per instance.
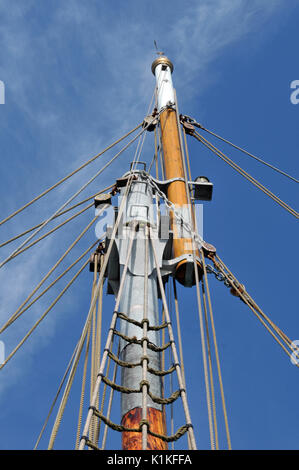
{"points": [[189, 123], [202, 191]]}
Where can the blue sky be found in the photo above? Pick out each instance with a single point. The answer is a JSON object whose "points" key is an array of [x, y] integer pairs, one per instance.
{"points": [[77, 75]]}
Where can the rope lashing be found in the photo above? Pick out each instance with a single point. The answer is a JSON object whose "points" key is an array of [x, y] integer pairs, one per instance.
{"points": [[161, 401], [136, 364], [123, 316], [134, 340], [120, 428]]}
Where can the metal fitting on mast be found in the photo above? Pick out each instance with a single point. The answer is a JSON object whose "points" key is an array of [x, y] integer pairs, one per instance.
{"points": [[162, 60]]}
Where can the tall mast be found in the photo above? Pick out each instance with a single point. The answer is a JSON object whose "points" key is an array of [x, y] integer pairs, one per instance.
{"points": [[140, 295], [139, 263]]}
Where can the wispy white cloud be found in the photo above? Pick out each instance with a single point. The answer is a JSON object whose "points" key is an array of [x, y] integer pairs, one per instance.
{"points": [[118, 50], [211, 26]]}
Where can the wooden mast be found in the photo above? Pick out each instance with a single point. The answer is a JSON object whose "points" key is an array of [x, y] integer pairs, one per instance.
{"points": [[162, 68]]}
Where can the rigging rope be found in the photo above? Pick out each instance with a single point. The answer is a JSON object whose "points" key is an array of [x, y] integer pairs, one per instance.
{"points": [[144, 342], [114, 386], [210, 367], [216, 351], [209, 398], [185, 155], [93, 343], [144, 426], [104, 392], [213, 329], [245, 174], [53, 230], [203, 347], [156, 154], [118, 427], [171, 387], [113, 320], [55, 398], [86, 326], [96, 293], [69, 384], [58, 215], [143, 385], [91, 318], [11, 320], [196, 237], [248, 153], [253, 303], [74, 195], [108, 353], [55, 266], [242, 293], [43, 315], [109, 404], [177, 313], [69, 175], [91, 309], [83, 385], [174, 352], [99, 337], [160, 147]]}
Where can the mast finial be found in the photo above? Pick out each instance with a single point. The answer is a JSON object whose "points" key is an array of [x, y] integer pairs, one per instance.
{"points": [[160, 53]]}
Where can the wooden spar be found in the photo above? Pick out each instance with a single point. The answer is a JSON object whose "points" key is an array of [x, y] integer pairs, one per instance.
{"points": [[173, 164], [176, 192]]}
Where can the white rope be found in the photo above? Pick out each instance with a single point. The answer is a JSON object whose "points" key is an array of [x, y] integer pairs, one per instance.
{"points": [[71, 198]]}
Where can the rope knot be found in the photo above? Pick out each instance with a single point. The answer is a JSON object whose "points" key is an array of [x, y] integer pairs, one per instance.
{"points": [[146, 383]]}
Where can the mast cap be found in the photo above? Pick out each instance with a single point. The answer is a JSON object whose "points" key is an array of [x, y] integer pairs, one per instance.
{"points": [[162, 60]]}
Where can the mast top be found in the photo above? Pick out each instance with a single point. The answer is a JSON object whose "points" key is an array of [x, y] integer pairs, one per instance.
{"points": [[163, 60]]}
